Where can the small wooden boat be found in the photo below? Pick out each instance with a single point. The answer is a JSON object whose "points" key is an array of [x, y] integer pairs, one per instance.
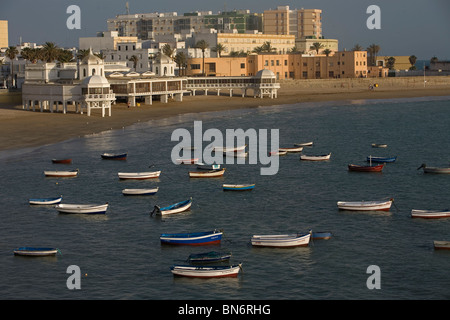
{"points": [[369, 168], [63, 161], [365, 205], [278, 153], [230, 149], [139, 175], [321, 235], [207, 257], [45, 201], [35, 251], [206, 271], [193, 239], [62, 174], [434, 169], [82, 208], [204, 166], [379, 145], [322, 157], [381, 159], [114, 156], [174, 208], [236, 154], [281, 240], [304, 144], [187, 161], [296, 149], [207, 174], [139, 192], [238, 187], [430, 214], [441, 245]]}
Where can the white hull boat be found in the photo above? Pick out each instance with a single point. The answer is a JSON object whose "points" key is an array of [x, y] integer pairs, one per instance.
{"points": [[365, 205], [139, 175], [82, 208], [281, 240]]}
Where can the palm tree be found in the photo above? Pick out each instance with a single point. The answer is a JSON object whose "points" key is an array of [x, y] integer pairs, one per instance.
{"points": [[83, 53], [219, 48], [65, 56], [100, 55], [316, 46], [180, 59], [203, 45], [372, 50], [327, 52], [267, 47], [357, 47], [412, 60], [50, 51], [168, 51], [135, 60], [258, 49], [11, 53], [434, 59]]}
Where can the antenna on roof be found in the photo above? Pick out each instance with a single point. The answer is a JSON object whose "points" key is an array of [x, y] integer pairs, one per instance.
{"points": [[127, 7]]}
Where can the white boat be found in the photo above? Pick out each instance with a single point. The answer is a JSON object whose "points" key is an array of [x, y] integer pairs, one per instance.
{"points": [[82, 208], [230, 149], [206, 271], [430, 214], [236, 154], [296, 149], [62, 174], [304, 144], [277, 153], [322, 157], [139, 175], [207, 174], [434, 169], [441, 245], [45, 201], [281, 240], [35, 251], [204, 166], [139, 192], [365, 205]]}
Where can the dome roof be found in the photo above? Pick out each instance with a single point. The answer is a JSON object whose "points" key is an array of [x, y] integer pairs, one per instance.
{"points": [[92, 58], [265, 73], [95, 81]]}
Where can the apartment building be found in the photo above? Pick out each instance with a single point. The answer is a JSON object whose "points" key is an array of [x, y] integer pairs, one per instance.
{"points": [[4, 42], [237, 42], [344, 64], [301, 23]]}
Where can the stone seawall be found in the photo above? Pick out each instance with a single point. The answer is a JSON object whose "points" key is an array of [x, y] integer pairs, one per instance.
{"points": [[358, 84]]}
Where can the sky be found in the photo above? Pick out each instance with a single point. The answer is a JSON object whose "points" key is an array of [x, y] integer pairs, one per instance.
{"points": [[407, 27]]}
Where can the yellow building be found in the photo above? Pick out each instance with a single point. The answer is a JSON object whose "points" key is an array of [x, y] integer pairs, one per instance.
{"points": [[304, 45], [237, 42], [343, 64], [302, 23], [401, 62], [4, 42]]}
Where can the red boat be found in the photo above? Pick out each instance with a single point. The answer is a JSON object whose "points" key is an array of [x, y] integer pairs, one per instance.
{"points": [[376, 168], [66, 161]]}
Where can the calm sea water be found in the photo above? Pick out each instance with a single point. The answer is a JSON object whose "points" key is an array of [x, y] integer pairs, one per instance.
{"points": [[120, 255]]}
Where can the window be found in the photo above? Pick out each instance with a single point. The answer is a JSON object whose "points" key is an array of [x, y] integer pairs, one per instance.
{"points": [[266, 62], [195, 66], [285, 62], [242, 65], [305, 74]]}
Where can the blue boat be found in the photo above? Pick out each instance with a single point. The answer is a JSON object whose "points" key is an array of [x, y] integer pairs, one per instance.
{"points": [[174, 208], [238, 187], [193, 239], [35, 251], [381, 159]]}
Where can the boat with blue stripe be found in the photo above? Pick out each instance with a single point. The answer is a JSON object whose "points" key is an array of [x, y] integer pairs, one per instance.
{"points": [[381, 159], [193, 239]]}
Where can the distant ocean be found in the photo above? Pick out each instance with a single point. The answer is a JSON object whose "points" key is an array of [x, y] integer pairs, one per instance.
{"points": [[120, 255]]}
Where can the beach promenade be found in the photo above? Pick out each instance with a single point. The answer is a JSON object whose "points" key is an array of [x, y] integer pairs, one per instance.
{"points": [[21, 129]]}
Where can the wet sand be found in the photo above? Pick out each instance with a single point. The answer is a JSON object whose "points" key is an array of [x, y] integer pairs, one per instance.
{"points": [[21, 128]]}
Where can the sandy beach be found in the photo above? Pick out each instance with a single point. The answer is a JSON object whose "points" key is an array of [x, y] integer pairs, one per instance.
{"points": [[21, 128]]}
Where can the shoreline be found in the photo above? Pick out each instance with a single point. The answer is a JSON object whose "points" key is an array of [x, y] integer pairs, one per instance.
{"points": [[21, 129]]}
